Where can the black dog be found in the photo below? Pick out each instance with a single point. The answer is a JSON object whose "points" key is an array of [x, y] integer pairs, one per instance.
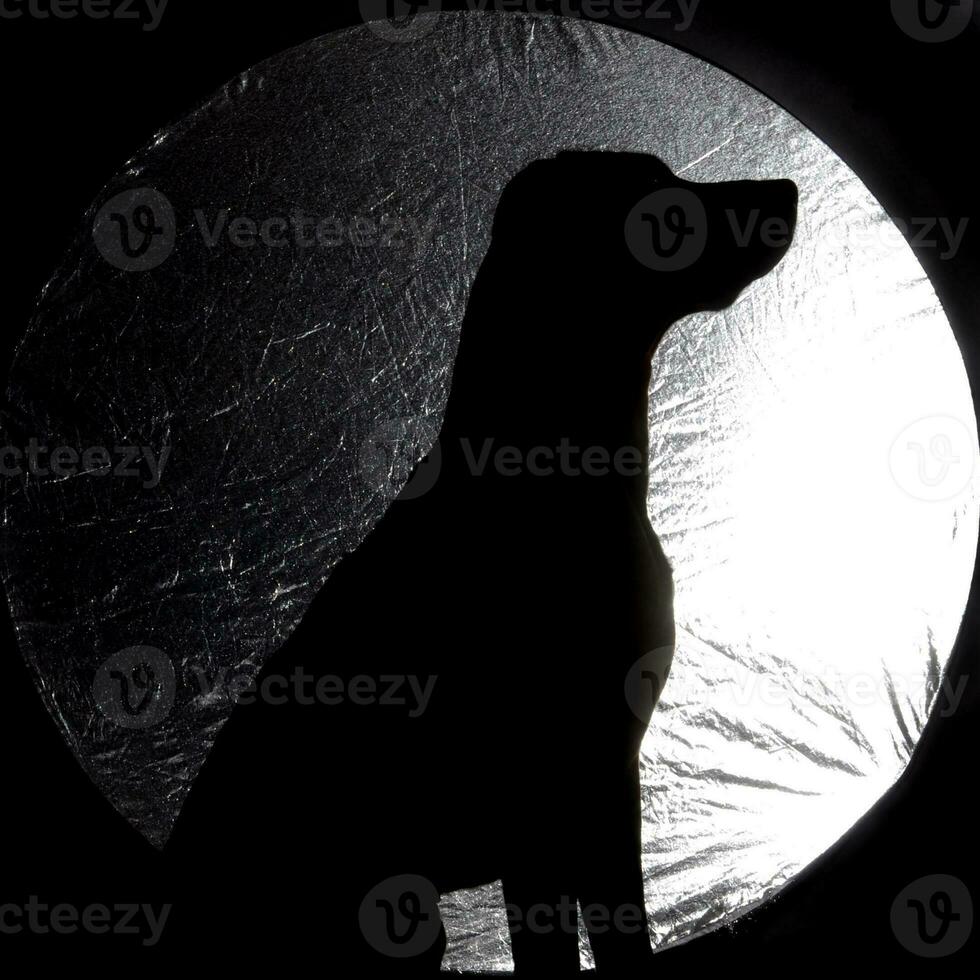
{"points": [[517, 595]]}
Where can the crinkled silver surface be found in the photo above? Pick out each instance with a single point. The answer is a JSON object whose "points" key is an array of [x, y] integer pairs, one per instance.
{"points": [[814, 444]]}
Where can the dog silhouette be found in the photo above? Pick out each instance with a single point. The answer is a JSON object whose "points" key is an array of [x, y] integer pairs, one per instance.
{"points": [[479, 721]]}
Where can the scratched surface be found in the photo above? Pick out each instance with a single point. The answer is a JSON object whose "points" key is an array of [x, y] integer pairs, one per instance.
{"points": [[813, 445]]}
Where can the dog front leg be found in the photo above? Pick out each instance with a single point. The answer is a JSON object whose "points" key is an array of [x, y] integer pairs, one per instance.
{"points": [[543, 921], [612, 899]]}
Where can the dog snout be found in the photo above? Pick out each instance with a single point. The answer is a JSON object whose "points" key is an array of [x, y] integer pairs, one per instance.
{"points": [[786, 200]]}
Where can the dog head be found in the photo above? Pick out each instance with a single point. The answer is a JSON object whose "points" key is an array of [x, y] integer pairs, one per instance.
{"points": [[622, 236]]}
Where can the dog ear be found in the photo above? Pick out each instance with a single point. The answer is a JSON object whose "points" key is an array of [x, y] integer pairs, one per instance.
{"points": [[576, 198], [546, 204], [525, 206]]}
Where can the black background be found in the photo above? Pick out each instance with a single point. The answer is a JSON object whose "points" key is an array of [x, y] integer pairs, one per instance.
{"points": [[80, 97]]}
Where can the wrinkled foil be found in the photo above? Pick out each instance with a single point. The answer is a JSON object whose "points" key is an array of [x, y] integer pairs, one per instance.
{"points": [[813, 445]]}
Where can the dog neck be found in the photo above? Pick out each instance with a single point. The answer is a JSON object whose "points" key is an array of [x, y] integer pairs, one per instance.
{"points": [[538, 377]]}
